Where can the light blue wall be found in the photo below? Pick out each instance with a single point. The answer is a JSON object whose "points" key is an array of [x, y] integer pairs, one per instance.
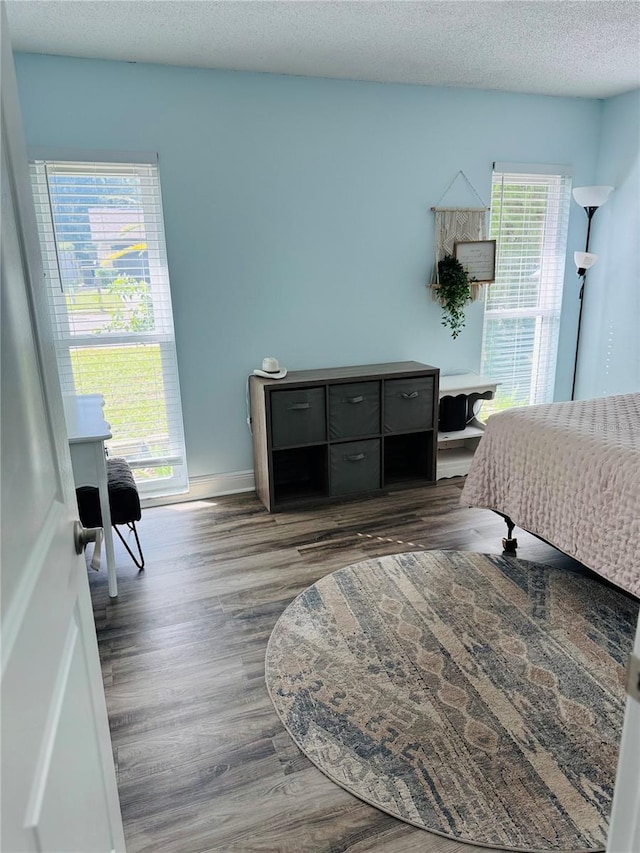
{"points": [[610, 346], [297, 212]]}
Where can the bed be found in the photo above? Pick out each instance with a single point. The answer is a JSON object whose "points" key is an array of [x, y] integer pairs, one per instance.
{"points": [[570, 474]]}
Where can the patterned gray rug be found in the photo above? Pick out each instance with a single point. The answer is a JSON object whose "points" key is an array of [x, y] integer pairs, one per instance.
{"points": [[479, 697]]}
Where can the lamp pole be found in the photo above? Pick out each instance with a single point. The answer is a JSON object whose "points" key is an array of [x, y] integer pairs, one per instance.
{"points": [[590, 199], [575, 363], [590, 211]]}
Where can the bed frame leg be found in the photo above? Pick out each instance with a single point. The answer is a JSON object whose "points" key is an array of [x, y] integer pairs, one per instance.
{"points": [[509, 544]]}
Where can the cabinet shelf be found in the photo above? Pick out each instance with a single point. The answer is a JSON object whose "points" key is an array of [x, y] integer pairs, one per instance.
{"points": [[299, 472], [326, 435], [407, 458]]}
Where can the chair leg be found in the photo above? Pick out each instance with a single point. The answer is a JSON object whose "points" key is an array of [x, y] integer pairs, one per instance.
{"points": [[132, 526]]}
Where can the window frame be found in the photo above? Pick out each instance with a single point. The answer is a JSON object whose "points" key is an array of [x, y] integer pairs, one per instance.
{"points": [[163, 333], [547, 311]]}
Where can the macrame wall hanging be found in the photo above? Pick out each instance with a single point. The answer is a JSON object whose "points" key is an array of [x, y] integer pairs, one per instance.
{"points": [[457, 224]]}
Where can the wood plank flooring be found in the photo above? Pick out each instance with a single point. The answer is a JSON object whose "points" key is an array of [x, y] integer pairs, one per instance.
{"points": [[203, 761]]}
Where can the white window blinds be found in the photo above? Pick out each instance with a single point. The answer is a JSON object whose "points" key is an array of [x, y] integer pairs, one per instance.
{"points": [[529, 221], [102, 237]]}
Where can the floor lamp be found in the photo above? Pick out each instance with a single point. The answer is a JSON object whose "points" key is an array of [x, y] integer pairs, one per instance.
{"points": [[590, 198]]}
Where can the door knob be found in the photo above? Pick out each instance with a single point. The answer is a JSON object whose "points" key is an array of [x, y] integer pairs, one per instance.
{"points": [[83, 535]]}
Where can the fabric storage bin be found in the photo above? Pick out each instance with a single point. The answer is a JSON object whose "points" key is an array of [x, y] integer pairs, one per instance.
{"points": [[408, 404], [355, 467], [354, 409], [298, 417]]}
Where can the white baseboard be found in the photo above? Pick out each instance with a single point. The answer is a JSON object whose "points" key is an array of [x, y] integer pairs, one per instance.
{"points": [[209, 486]]}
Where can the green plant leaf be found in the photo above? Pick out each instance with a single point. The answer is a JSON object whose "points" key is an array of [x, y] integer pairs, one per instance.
{"points": [[454, 294]]}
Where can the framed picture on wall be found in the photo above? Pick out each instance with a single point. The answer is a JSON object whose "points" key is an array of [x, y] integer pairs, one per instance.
{"points": [[478, 257]]}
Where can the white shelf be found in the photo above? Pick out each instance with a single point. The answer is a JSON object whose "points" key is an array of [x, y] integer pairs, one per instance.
{"points": [[454, 463], [469, 432], [456, 449], [465, 383]]}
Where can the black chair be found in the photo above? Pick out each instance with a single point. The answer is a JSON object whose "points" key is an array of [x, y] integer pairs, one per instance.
{"points": [[124, 503]]}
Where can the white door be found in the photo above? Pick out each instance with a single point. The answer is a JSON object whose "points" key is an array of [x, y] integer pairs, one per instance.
{"points": [[624, 828], [59, 790]]}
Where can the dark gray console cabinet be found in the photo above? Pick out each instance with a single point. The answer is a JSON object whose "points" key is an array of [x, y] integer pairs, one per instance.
{"points": [[330, 434]]}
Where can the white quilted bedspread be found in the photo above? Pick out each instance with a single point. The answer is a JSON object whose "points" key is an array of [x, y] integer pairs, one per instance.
{"points": [[570, 473]]}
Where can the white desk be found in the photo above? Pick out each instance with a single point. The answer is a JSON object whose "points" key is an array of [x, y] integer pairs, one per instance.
{"points": [[87, 431]]}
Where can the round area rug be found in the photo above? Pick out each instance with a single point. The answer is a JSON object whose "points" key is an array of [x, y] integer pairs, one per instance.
{"points": [[479, 697]]}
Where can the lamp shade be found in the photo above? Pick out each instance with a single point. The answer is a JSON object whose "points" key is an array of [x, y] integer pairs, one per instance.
{"points": [[591, 196], [584, 260]]}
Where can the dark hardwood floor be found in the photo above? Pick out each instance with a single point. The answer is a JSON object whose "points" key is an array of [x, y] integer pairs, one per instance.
{"points": [[203, 761]]}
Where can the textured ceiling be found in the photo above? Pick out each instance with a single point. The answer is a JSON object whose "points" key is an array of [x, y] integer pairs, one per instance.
{"points": [[588, 48]]}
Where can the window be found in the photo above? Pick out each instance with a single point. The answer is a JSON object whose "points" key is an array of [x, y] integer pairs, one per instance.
{"points": [[102, 239], [529, 220]]}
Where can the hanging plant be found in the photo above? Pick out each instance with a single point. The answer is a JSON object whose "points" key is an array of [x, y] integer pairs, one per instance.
{"points": [[453, 293]]}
